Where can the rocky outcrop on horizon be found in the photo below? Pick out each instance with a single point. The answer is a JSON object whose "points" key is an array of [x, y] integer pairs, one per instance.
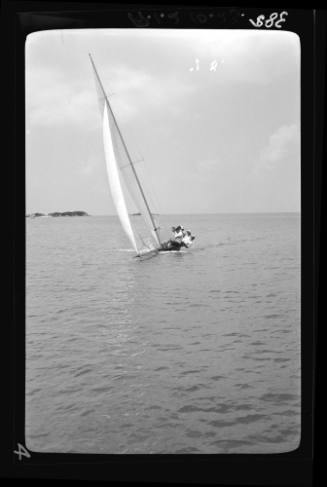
{"points": [[34, 215], [69, 213]]}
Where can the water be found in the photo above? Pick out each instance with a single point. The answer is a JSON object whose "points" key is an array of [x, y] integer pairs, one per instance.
{"points": [[197, 352]]}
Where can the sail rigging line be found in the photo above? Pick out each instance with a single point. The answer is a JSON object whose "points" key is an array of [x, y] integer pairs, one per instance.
{"points": [[148, 187], [154, 202], [134, 162], [155, 228], [142, 240]]}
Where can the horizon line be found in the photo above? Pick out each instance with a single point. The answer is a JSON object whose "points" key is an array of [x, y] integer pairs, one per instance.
{"points": [[183, 214], [172, 214]]}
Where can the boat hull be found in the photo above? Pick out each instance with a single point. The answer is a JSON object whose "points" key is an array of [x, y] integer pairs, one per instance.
{"points": [[148, 254]]}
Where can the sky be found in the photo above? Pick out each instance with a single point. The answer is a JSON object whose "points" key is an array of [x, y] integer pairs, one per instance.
{"points": [[210, 117]]}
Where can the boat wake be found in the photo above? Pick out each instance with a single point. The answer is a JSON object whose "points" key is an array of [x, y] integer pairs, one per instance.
{"points": [[165, 252]]}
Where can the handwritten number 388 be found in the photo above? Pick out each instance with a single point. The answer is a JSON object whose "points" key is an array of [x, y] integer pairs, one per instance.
{"points": [[270, 22]]}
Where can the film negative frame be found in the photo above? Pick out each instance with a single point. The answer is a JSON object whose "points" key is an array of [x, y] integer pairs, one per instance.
{"points": [[293, 468]]}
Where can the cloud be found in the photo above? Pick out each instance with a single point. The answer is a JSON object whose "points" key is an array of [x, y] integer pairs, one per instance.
{"points": [[144, 92], [282, 144], [53, 98], [206, 165], [57, 98], [274, 182], [136, 92], [89, 166], [60, 86]]}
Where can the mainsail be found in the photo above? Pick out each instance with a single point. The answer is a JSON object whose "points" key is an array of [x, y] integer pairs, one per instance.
{"points": [[114, 180], [119, 163]]}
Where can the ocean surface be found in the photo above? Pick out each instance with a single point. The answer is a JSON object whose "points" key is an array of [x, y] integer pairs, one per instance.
{"points": [[193, 352]]}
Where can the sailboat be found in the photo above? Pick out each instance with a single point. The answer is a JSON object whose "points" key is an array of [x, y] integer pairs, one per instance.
{"points": [[122, 174], [123, 178]]}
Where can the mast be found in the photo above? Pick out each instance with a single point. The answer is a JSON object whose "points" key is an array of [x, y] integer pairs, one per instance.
{"points": [[155, 228]]}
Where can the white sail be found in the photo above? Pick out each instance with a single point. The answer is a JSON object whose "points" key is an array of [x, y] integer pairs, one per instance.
{"points": [[122, 174], [114, 179], [134, 187]]}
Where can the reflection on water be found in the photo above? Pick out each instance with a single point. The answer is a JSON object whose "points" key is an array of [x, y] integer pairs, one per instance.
{"points": [[196, 352]]}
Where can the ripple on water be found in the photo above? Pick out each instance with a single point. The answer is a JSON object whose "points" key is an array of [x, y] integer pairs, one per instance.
{"points": [[217, 377], [82, 371], [191, 371], [279, 398], [273, 316], [228, 445]]}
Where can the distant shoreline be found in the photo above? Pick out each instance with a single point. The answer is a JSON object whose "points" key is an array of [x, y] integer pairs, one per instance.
{"points": [[58, 213], [84, 213]]}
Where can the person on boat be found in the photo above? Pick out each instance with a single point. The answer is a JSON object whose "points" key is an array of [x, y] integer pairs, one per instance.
{"points": [[188, 238], [181, 238], [178, 233]]}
